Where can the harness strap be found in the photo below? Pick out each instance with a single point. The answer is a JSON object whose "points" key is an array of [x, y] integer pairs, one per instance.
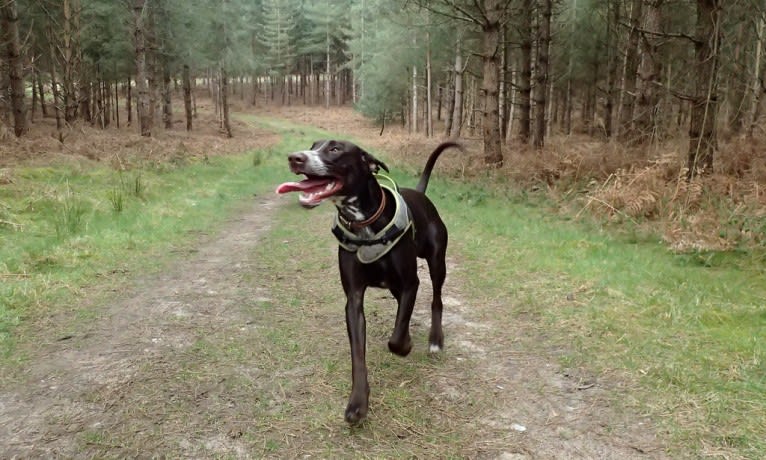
{"points": [[370, 249]]}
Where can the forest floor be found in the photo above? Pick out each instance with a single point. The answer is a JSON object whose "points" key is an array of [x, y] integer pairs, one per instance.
{"points": [[237, 349]]}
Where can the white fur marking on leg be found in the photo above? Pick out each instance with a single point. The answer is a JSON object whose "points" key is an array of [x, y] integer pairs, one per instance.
{"points": [[433, 348]]}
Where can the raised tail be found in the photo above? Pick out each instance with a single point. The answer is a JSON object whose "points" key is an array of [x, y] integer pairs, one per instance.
{"points": [[423, 184]]}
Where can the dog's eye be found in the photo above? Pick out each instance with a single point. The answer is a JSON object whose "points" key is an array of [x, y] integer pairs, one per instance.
{"points": [[334, 149]]}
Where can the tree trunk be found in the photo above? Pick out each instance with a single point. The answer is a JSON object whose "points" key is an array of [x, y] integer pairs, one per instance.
{"points": [[649, 72], [490, 87], [129, 102], [631, 69], [429, 102], [414, 106], [10, 35], [54, 86], [449, 93], [737, 89], [33, 84], [702, 126], [167, 107], [525, 72], [541, 73], [70, 54], [457, 111], [327, 72], [613, 22], [756, 85], [41, 92], [225, 102], [144, 109], [187, 96]]}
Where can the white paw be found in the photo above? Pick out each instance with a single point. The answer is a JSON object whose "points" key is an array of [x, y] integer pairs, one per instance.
{"points": [[433, 348]]}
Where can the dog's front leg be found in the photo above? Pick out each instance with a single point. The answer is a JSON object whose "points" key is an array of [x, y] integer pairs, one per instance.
{"points": [[357, 336]]}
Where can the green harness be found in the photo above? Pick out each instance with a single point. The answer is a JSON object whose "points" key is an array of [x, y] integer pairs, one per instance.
{"points": [[371, 248]]}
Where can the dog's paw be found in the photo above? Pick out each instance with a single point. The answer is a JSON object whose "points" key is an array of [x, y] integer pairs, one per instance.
{"points": [[355, 413], [401, 348]]}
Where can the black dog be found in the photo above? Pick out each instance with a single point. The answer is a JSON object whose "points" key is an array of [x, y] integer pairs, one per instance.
{"points": [[380, 230]]}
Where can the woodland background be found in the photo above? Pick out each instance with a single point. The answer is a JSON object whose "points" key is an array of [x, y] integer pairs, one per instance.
{"points": [[639, 110]]}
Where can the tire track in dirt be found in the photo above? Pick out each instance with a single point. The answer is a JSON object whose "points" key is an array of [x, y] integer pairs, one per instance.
{"points": [[83, 385], [540, 411]]}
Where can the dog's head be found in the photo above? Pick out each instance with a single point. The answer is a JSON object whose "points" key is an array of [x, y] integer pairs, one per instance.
{"points": [[332, 169]]}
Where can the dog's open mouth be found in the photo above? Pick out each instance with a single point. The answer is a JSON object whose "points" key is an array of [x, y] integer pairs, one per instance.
{"points": [[313, 189]]}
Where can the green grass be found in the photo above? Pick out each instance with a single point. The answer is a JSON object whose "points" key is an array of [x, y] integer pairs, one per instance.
{"points": [[73, 226], [681, 334], [686, 331]]}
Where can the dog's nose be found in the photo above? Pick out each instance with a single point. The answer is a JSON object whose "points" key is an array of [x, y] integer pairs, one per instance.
{"points": [[297, 159]]}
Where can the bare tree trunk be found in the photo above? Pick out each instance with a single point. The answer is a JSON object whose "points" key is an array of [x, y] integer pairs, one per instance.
{"points": [[631, 69], [34, 94], [525, 74], [613, 21], [429, 90], [737, 90], [41, 92], [144, 109], [70, 56], [327, 73], [457, 112], [167, 107], [514, 96], [702, 126], [449, 93], [10, 35], [756, 85], [414, 106], [117, 103], [129, 101], [490, 86], [54, 86], [541, 74], [649, 72], [187, 97], [225, 101]]}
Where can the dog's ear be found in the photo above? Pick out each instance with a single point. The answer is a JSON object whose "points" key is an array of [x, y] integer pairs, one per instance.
{"points": [[373, 163]]}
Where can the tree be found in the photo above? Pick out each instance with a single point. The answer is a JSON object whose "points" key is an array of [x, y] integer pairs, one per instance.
{"points": [[9, 20], [144, 110], [630, 74], [649, 71], [541, 74], [702, 126]]}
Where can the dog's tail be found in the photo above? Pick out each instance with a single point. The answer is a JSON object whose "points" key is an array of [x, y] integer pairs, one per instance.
{"points": [[423, 184]]}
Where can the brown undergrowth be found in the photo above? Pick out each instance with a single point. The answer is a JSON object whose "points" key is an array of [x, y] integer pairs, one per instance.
{"points": [[644, 190], [124, 147]]}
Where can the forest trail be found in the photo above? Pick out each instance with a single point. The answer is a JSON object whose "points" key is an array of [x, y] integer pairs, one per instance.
{"points": [[207, 359]]}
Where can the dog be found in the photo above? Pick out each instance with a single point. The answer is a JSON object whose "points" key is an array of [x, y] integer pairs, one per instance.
{"points": [[381, 230]]}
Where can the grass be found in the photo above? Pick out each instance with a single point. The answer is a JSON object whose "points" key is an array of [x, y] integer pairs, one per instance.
{"points": [[679, 337], [684, 330], [72, 226], [681, 332]]}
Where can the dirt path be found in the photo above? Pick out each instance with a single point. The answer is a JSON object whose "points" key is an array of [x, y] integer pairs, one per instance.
{"points": [[151, 376], [81, 390]]}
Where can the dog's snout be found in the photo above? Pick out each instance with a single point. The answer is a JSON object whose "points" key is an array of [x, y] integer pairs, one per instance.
{"points": [[297, 159]]}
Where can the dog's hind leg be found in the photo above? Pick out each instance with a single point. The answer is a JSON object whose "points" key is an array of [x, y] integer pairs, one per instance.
{"points": [[438, 270]]}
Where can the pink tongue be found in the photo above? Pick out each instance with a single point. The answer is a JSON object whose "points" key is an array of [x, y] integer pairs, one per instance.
{"points": [[300, 186]]}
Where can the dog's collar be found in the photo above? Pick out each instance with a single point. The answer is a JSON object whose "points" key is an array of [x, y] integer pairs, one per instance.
{"points": [[368, 249], [358, 225]]}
